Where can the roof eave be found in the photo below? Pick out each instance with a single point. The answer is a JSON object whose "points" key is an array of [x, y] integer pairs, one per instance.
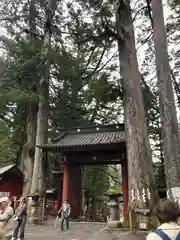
{"points": [[49, 147]]}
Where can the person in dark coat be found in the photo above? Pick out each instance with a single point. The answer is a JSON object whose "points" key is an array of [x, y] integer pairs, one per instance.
{"points": [[21, 219], [64, 213]]}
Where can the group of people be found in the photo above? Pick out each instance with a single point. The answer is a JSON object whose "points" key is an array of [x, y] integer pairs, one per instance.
{"points": [[13, 217]]}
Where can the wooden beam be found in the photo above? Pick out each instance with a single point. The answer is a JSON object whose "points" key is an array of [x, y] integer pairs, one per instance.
{"points": [[97, 163], [96, 158]]}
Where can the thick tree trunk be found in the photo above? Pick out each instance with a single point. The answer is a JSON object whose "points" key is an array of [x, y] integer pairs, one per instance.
{"points": [[138, 148], [170, 132], [28, 150], [38, 180], [19, 135], [41, 137], [27, 154], [38, 186]]}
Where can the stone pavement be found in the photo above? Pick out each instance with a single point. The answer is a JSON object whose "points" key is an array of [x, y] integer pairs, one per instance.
{"points": [[78, 231]]}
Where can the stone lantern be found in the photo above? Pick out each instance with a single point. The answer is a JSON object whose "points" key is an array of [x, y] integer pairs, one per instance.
{"points": [[113, 203], [34, 208]]}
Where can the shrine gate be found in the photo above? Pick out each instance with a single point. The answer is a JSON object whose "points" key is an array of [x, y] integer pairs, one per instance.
{"points": [[100, 144]]}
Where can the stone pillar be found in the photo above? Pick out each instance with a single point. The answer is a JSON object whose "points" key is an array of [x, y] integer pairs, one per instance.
{"points": [[125, 187], [65, 194]]}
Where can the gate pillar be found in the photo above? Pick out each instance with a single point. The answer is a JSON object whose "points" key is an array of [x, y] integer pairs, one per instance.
{"points": [[125, 187], [65, 194], [75, 190]]}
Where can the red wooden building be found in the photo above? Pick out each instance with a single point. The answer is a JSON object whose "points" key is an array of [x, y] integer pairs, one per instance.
{"points": [[11, 181]]}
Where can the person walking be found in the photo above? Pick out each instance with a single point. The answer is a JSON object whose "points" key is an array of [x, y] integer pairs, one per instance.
{"points": [[20, 220], [168, 213], [6, 219], [64, 213]]}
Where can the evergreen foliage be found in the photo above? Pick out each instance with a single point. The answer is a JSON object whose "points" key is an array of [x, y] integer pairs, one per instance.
{"points": [[84, 71]]}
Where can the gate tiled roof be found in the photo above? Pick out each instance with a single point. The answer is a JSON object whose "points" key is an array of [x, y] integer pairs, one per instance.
{"points": [[88, 136]]}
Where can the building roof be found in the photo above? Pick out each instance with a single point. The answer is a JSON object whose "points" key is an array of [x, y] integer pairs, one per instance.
{"points": [[6, 168], [9, 168], [88, 136]]}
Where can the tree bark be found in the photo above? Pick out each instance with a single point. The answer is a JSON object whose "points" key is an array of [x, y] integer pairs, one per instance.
{"points": [[27, 155], [38, 179], [19, 134], [138, 147], [170, 132], [28, 149]]}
